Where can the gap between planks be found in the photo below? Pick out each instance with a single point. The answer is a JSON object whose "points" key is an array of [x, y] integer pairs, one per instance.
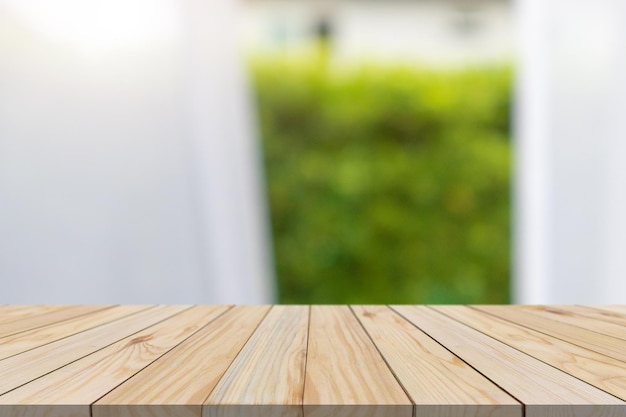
{"points": [[306, 350]]}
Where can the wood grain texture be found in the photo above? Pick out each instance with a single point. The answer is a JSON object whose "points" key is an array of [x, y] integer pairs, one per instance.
{"points": [[267, 377], [39, 320], [545, 390], [600, 314], [312, 361], [21, 342], [438, 382], [184, 377], [86, 380], [617, 309], [15, 312], [345, 375], [23, 368], [602, 371], [578, 318], [598, 342]]}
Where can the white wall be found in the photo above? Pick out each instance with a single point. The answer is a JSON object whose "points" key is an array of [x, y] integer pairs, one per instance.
{"points": [[424, 31], [429, 31], [571, 148], [128, 167]]}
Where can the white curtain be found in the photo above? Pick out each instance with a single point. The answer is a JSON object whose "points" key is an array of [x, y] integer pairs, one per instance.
{"points": [[129, 169], [571, 152]]}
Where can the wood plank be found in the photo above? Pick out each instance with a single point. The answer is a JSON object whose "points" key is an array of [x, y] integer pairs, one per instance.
{"points": [[15, 312], [599, 314], [615, 309], [598, 342], [544, 390], [599, 370], [438, 382], [21, 342], [360, 361], [70, 390], [345, 374], [23, 368], [40, 320], [574, 317], [266, 379], [178, 383]]}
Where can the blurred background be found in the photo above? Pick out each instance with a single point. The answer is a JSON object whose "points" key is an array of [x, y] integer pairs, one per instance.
{"points": [[312, 151]]}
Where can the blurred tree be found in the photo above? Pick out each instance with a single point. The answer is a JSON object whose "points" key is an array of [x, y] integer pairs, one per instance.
{"points": [[387, 185]]}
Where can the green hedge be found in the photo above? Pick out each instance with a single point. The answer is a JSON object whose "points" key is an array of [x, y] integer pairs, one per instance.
{"points": [[387, 185]]}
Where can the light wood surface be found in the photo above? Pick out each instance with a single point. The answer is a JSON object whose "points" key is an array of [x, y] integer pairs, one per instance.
{"points": [[602, 371], [617, 309], [86, 380], [345, 374], [21, 342], [184, 377], [579, 318], [44, 318], [438, 382], [600, 314], [589, 339], [312, 361], [15, 312], [544, 390], [267, 377]]}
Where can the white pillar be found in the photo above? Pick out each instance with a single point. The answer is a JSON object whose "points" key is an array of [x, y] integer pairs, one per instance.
{"points": [[571, 146], [129, 172], [226, 159], [532, 174]]}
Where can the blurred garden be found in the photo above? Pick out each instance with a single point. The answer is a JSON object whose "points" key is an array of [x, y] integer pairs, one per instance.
{"points": [[387, 184]]}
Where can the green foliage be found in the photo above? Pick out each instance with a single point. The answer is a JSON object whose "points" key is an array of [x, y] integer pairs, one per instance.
{"points": [[387, 185]]}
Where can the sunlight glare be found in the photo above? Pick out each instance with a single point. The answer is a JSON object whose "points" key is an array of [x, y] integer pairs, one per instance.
{"points": [[99, 24]]}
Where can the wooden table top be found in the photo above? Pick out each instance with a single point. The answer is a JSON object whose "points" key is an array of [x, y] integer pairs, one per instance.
{"points": [[312, 361]]}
